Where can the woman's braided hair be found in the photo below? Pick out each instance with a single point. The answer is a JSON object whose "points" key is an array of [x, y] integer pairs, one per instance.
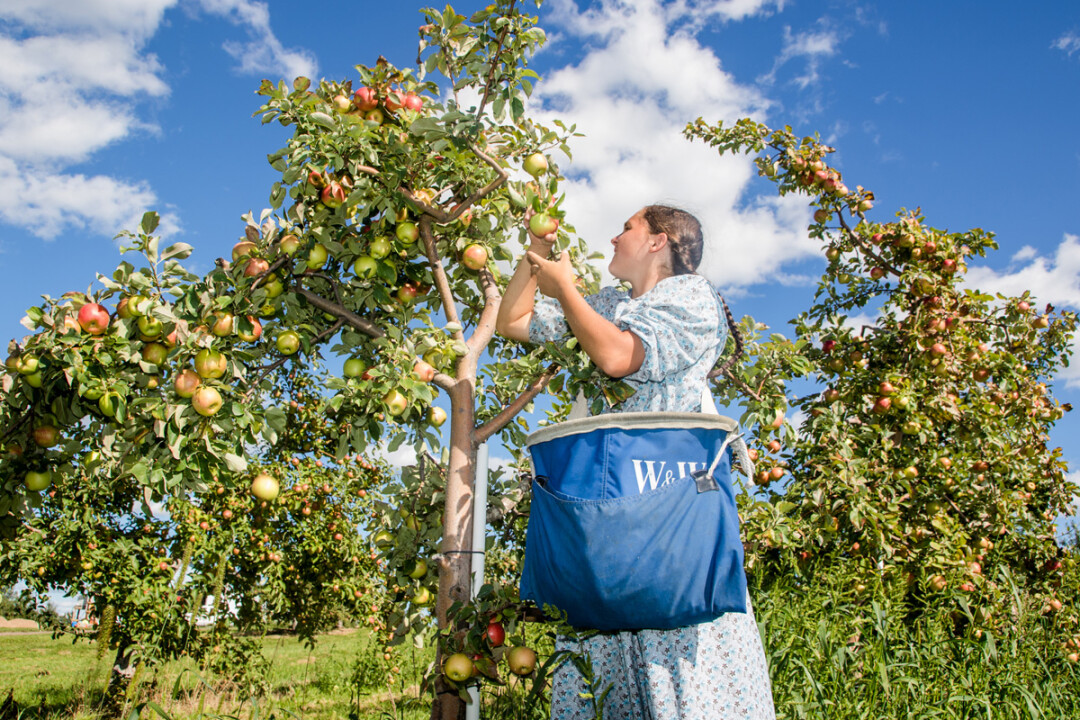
{"points": [[686, 242]]}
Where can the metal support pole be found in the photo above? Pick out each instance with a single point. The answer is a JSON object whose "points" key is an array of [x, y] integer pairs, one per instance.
{"points": [[472, 710]]}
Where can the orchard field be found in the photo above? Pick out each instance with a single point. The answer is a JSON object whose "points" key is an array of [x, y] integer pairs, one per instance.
{"points": [[181, 450]]}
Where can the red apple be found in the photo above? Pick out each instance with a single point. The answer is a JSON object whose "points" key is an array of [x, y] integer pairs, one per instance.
{"points": [[186, 383], [423, 372], [495, 633], [243, 248], [395, 100], [882, 405], [256, 267], [414, 102], [46, 435], [366, 99], [249, 335], [475, 256], [886, 388], [333, 195], [155, 353], [93, 318], [407, 293]]}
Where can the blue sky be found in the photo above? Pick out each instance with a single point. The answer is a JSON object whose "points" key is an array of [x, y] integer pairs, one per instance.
{"points": [[965, 109]]}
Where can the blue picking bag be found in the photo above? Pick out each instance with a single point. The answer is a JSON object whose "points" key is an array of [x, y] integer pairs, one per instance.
{"points": [[629, 529]]}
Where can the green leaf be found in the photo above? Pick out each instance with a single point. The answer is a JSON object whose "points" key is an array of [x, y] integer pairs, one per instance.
{"points": [[321, 118], [235, 463], [150, 222], [177, 251]]}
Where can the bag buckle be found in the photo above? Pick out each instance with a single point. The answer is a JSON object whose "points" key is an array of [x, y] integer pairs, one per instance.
{"points": [[705, 481]]}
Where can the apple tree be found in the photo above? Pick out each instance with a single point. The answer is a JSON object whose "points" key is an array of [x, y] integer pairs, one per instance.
{"points": [[126, 445], [923, 465]]}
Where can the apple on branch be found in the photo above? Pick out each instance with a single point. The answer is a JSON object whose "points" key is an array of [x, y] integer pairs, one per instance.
{"points": [[93, 318]]}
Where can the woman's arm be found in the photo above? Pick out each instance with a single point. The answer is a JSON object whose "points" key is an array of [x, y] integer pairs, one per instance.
{"points": [[616, 352], [516, 307]]}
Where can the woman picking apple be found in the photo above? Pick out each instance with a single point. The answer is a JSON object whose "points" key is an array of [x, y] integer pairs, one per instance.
{"points": [[662, 338]]}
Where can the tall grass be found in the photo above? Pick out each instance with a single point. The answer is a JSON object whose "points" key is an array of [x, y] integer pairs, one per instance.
{"points": [[831, 655]]}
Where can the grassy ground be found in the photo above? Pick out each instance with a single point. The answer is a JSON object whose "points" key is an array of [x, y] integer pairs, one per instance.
{"points": [[829, 660], [341, 676]]}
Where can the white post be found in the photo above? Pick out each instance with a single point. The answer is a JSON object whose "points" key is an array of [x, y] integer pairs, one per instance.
{"points": [[472, 710]]}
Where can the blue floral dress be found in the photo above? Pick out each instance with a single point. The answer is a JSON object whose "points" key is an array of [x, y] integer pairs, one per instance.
{"points": [[712, 671]]}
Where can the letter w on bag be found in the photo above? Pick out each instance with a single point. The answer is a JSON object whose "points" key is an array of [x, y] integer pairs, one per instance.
{"points": [[651, 472]]}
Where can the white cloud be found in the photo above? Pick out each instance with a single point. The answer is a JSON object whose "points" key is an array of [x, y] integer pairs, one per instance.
{"points": [[52, 203], [644, 76], [1053, 280], [72, 76], [1068, 43], [263, 52], [812, 46]]}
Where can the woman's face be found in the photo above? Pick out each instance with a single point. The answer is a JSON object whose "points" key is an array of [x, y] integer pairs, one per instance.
{"points": [[634, 249]]}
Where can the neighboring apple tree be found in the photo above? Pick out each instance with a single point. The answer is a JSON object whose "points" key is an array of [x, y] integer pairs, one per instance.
{"points": [[922, 467], [126, 480]]}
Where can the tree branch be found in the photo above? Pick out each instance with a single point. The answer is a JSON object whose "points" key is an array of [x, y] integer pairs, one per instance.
{"points": [[494, 62], [742, 386], [864, 246], [442, 283], [267, 369], [348, 318], [507, 414], [485, 326]]}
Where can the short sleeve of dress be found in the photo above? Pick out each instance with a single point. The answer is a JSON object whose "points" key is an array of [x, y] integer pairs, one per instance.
{"points": [[548, 323], [678, 322]]}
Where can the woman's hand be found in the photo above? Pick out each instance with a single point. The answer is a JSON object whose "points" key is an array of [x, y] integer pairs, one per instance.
{"points": [[553, 277]]}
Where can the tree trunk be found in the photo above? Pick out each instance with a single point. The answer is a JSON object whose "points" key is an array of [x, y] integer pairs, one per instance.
{"points": [[455, 566], [120, 678]]}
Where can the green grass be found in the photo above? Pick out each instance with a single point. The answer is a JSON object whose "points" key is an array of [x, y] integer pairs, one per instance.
{"points": [[58, 679], [830, 657]]}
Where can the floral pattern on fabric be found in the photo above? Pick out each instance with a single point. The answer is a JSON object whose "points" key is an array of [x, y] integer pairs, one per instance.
{"points": [[682, 329], [712, 671]]}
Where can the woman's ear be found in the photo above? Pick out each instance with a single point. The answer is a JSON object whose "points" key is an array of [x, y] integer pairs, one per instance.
{"points": [[658, 242]]}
